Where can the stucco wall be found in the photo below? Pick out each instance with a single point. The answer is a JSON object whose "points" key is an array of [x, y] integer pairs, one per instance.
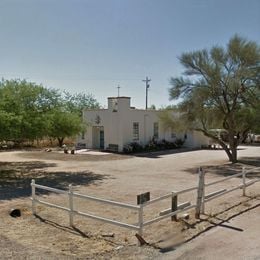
{"points": [[118, 126], [118, 120], [196, 139]]}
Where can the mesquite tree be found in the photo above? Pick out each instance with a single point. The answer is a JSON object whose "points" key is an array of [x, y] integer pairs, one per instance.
{"points": [[220, 89]]}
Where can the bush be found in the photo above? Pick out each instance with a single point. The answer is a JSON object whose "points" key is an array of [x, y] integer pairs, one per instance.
{"points": [[167, 145], [153, 145], [179, 143], [133, 147]]}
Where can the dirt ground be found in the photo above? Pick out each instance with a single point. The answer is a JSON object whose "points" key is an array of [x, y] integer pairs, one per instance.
{"points": [[231, 217]]}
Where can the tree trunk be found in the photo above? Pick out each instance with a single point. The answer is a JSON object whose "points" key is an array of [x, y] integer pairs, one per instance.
{"points": [[230, 150], [231, 153], [60, 140], [233, 150], [233, 143]]}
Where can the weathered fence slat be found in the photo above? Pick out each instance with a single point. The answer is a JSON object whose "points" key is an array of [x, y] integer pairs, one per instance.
{"points": [[185, 190], [33, 197], [149, 222], [111, 202], [50, 189], [200, 195], [51, 205], [169, 195], [174, 207], [110, 221], [214, 193], [71, 204], [224, 179], [180, 206]]}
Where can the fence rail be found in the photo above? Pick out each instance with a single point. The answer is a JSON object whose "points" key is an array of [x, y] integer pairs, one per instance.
{"points": [[73, 212], [206, 198], [111, 202], [171, 212]]}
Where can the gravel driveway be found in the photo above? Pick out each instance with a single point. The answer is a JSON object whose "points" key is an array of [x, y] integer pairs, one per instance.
{"points": [[121, 178]]}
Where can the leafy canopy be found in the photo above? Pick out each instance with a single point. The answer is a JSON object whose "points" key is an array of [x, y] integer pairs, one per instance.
{"points": [[220, 89], [29, 111]]}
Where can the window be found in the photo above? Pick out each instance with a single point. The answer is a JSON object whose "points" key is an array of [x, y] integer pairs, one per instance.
{"points": [[135, 131], [156, 130]]}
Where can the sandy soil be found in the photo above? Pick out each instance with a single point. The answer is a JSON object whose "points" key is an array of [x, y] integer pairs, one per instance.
{"points": [[121, 178]]}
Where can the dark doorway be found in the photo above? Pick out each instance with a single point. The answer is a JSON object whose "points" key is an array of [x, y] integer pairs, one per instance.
{"points": [[101, 139]]}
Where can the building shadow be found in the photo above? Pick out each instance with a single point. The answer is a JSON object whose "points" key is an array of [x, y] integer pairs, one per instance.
{"points": [[15, 178]]}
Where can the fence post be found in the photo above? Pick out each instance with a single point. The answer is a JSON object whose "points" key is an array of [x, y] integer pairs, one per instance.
{"points": [[174, 206], [71, 204], [33, 197], [203, 193], [140, 221], [244, 180], [200, 194]]}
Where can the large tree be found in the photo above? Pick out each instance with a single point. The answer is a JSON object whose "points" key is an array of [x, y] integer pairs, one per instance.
{"points": [[29, 111], [23, 106], [220, 88], [67, 120], [75, 103], [63, 124]]}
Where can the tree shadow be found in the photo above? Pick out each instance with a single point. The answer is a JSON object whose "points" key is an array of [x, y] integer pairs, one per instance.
{"points": [[216, 221], [250, 161], [15, 178], [213, 221], [229, 169], [222, 170]]}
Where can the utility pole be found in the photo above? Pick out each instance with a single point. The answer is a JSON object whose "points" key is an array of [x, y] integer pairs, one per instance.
{"points": [[118, 90], [146, 88]]}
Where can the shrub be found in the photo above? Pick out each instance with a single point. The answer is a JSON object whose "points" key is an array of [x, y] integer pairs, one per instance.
{"points": [[179, 142], [133, 148], [153, 145]]}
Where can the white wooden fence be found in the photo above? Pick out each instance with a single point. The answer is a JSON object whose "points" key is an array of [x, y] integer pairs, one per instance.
{"points": [[172, 212], [203, 198], [71, 194]]}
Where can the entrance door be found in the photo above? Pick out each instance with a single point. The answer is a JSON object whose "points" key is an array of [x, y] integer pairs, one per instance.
{"points": [[101, 139], [98, 141]]}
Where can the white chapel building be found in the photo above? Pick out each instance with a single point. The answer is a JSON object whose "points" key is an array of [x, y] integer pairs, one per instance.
{"points": [[120, 124]]}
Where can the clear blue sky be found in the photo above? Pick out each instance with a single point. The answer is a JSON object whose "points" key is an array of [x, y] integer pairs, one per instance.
{"points": [[94, 45]]}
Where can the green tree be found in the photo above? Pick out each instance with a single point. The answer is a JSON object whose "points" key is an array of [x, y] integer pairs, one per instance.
{"points": [[75, 103], [9, 125], [63, 124], [67, 121], [220, 89], [256, 119], [29, 111], [22, 107]]}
